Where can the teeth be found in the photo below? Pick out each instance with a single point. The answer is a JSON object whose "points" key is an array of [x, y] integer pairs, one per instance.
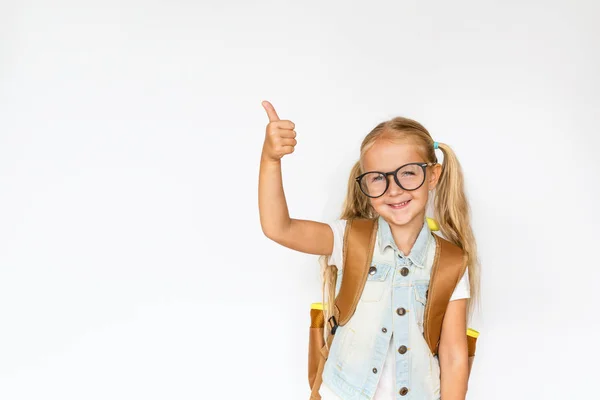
{"points": [[400, 204]]}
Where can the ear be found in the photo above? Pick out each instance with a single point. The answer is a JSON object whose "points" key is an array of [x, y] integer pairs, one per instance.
{"points": [[434, 176]]}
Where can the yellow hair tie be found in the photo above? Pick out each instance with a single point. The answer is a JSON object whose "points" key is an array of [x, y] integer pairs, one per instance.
{"points": [[433, 225]]}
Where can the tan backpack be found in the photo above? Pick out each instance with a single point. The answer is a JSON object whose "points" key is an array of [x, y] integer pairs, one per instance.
{"points": [[359, 240]]}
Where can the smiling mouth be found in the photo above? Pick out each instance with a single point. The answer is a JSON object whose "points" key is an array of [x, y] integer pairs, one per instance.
{"points": [[398, 206]]}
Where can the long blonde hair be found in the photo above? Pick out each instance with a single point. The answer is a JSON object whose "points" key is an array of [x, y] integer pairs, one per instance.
{"points": [[451, 208]]}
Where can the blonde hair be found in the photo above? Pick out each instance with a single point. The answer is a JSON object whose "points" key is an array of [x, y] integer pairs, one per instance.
{"points": [[451, 208]]}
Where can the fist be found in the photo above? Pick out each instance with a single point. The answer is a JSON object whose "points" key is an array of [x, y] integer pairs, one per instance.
{"points": [[280, 135]]}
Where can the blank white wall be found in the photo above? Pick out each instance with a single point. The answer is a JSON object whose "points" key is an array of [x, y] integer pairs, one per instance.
{"points": [[132, 262]]}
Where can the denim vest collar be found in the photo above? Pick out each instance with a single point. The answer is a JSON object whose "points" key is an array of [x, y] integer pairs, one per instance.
{"points": [[418, 252]]}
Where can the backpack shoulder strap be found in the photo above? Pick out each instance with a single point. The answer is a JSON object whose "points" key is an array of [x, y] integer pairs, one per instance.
{"points": [[357, 250], [449, 265]]}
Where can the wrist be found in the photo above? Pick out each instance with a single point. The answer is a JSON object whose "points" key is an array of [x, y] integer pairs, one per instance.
{"points": [[268, 160]]}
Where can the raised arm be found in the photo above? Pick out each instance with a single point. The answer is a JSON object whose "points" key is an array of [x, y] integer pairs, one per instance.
{"points": [[301, 235]]}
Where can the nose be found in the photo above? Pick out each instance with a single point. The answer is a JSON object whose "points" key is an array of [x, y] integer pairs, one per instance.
{"points": [[393, 187]]}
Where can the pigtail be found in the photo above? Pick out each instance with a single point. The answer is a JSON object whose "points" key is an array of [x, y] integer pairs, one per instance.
{"points": [[452, 211]]}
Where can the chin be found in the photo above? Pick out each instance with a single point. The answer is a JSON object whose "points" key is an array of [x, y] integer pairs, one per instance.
{"points": [[395, 217], [404, 220]]}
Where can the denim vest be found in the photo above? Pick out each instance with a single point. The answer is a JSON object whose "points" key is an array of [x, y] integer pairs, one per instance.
{"points": [[391, 308]]}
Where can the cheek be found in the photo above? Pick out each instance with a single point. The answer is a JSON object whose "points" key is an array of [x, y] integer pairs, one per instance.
{"points": [[422, 196], [378, 202]]}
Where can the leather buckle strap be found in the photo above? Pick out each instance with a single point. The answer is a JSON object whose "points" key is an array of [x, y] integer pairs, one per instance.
{"points": [[334, 326]]}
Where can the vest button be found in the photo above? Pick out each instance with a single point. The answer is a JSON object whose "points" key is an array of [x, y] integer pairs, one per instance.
{"points": [[384, 330], [401, 311], [403, 391], [404, 271], [372, 270], [374, 370], [402, 349]]}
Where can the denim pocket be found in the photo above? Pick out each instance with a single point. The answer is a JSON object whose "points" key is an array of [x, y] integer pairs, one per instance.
{"points": [[376, 282], [420, 295]]}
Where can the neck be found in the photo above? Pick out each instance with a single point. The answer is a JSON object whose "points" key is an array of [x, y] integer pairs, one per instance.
{"points": [[406, 235]]}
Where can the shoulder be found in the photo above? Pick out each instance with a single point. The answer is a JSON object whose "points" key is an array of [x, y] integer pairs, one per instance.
{"points": [[338, 228], [462, 289]]}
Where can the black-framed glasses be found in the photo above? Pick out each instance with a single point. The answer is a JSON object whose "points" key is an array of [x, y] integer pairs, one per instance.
{"points": [[409, 177]]}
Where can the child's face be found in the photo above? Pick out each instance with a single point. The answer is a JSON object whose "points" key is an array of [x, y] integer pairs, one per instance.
{"points": [[387, 156]]}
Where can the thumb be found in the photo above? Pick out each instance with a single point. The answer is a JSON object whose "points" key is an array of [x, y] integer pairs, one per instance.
{"points": [[270, 111]]}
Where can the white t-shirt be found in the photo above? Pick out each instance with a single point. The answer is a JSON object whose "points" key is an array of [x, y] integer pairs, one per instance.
{"points": [[386, 386]]}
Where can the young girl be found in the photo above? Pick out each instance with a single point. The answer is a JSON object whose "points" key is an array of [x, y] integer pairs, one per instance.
{"points": [[381, 352]]}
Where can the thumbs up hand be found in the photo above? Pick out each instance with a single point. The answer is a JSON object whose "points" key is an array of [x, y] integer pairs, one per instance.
{"points": [[280, 135]]}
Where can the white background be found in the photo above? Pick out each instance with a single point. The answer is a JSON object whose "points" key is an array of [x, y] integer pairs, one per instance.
{"points": [[132, 261]]}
